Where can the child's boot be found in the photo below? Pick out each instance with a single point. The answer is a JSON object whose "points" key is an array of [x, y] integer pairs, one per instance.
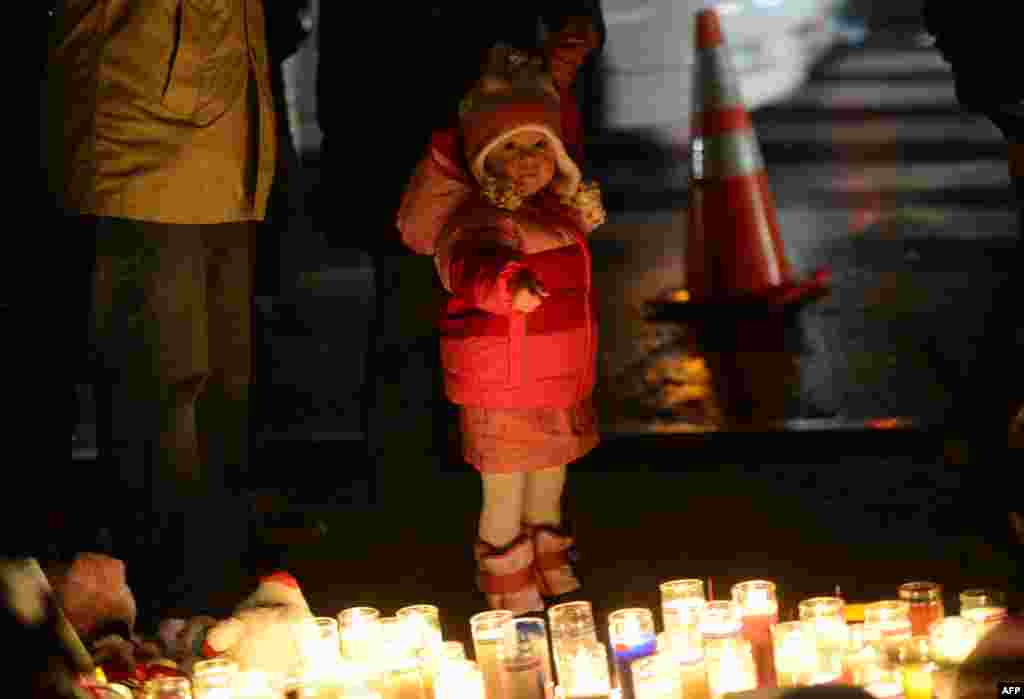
{"points": [[552, 561], [506, 576]]}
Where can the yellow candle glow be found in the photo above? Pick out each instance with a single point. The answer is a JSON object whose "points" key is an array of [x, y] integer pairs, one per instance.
{"points": [[585, 672], [953, 638], [732, 668], [796, 656]]}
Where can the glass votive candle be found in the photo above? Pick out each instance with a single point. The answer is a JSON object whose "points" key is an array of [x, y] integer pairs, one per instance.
{"points": [[460, 679], [358, 628], [570, 624], [681, 603], [917, 668], [423, 622], [759, 608], [214, 678], [824, 616], [168, 688], [984, 607], [687, 652], [320, 642], [796, 654], [656, 677], [720, 619], [885, 682], [256, 684], [584, 673], [953, 638], [632, 636], [925, 600], [400, 676], [861, 659], [523, 662], [887, 624], [732, 668], [488, 629], [533, 630], [452, 650]]}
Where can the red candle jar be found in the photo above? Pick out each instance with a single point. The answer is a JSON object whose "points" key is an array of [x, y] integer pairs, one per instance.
{"points": [[925, 599]]}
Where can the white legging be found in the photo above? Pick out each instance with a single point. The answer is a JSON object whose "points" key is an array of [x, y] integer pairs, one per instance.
{"points": [[510, 499]]}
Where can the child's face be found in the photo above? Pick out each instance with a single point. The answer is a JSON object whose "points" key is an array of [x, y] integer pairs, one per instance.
{"points": [[527, 158]]}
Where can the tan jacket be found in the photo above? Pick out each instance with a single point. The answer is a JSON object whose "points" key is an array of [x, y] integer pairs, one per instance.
{"points": [[161, 110]]}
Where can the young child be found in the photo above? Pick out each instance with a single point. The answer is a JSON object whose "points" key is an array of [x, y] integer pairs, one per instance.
{"points": [[518, 331]]}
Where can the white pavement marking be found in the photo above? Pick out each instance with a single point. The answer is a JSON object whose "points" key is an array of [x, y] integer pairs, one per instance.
{"points": [[891, 131], [878, 95], [903, 176], [884, 62]]}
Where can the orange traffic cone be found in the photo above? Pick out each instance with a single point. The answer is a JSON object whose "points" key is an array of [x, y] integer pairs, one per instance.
{"points": [[734, 250]]}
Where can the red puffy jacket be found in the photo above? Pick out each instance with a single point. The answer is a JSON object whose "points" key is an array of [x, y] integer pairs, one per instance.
{"points": [[493, 355]]}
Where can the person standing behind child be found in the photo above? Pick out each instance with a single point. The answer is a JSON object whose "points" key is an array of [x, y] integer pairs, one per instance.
{"points": [[518, 330], [161, 117]]}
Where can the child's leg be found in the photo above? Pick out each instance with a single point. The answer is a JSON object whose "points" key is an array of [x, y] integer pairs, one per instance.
{"points": [[504, 554], [542, 514], [500, 521], [542, 501]]}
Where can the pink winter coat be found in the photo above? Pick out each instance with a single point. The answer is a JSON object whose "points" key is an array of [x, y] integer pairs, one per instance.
{"points": [[492, 355]]}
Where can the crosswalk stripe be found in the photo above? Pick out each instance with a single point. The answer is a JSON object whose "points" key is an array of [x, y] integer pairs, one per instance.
{"points": [[900, 97], [909, 177], [890, 131], [887, 63]]}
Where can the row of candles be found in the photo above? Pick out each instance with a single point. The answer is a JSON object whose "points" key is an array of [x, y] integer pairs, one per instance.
{"points": [[708, 648]]}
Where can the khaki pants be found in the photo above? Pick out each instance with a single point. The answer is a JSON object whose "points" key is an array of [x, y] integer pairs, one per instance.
{"points": [[172, 325]]}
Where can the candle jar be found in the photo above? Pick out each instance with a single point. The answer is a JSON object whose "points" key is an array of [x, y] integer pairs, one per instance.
{"points": [[925, 600], [862, 659], [168, 688], [824, 616], [423, 625], [460, 679], [732, 668], [214, 678], [796, 655], [423, 622], [523, 661], [534, 629], [720, 620], [631, 632], [452, 650], [320, 642], [584, 674], [256, 684], [687, 652], [398, 665], [886, 682], [760, 609], [488, 629], [681, 603], [358, 628], [887, 625], [917, 668], [571, 624], [952, 639], [656, 677], [987, 608]]}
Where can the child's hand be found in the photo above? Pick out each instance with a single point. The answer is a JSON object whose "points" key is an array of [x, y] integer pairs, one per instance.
{"points": [[527, 292]]}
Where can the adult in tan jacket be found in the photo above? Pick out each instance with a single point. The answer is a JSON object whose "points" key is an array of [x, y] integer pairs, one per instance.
{"points": [[163, 136]]}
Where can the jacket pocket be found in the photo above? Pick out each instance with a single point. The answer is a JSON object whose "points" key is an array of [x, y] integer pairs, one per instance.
{"points": [[484, 360], [209, 65]]}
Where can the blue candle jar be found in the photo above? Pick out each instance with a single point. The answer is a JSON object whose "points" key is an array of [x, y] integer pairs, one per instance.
{"points": [[632, 636]]}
